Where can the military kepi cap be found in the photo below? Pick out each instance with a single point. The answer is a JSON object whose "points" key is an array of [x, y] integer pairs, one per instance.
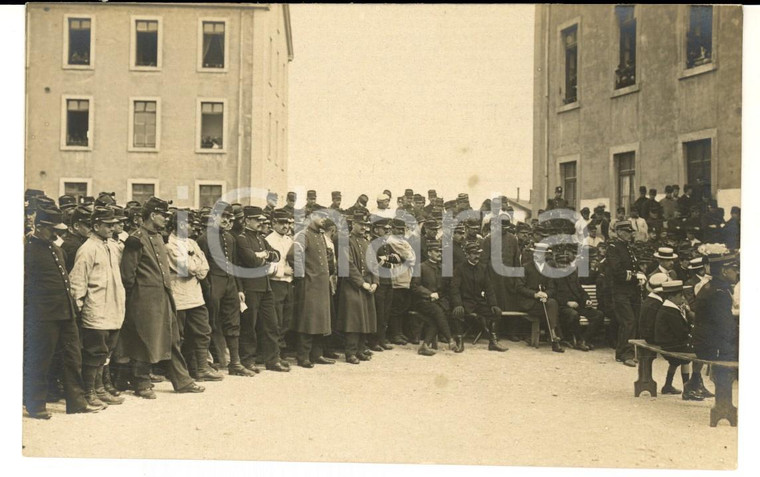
{"points": [[624, 225], [103, 215], [154, 204], [50, 216], [252, 211], [311, 194]]}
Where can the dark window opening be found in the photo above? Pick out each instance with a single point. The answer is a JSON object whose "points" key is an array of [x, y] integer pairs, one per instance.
{"points": [[144, 127], [568, 171], [625, 74], [76, 189], [698, 167], [79, 41], [626, 174], [143, 192], [213, 44], [77, 122], [146, 43], [212, 125], [699, 36], [570, 42], [208, 195]]}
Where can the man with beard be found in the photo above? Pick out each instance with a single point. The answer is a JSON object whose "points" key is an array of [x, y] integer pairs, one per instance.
{"points": [[308, 259], [150, 332], [386, 259], [431, 301]]}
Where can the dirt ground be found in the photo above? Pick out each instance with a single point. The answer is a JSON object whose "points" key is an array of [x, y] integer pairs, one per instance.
{"points": [[525, 407]]}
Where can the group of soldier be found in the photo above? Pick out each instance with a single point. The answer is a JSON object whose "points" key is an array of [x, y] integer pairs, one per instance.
{"points": [[115, 297]]}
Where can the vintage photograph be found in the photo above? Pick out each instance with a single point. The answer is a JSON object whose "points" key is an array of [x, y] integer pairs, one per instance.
{"points": [[498, 235]]}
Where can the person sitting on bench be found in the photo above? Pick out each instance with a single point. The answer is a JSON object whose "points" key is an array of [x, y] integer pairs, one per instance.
{"points": [[575, 302], [430, 300], [672, 333]]}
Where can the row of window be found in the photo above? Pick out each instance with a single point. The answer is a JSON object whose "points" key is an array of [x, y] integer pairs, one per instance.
{"points": [[206, 192], [146, 40], [145, 126], [697, 156], [697, 44]]}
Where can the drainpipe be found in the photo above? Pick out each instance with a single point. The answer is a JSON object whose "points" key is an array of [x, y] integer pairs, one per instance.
{"points": [[241, 129], [546, 99]]}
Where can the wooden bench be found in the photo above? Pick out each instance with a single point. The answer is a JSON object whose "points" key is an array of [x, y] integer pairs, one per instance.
{"points": [[534, 326], [591, 290], [722, 373]]}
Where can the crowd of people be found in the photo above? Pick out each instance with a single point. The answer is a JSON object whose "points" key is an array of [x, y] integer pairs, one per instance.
{"points": [[117, 297]]}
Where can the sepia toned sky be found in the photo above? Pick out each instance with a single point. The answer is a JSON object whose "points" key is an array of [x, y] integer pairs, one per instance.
{"points": [[411, 96]]}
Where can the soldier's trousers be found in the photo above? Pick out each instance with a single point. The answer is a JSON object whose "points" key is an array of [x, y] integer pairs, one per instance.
{"points": [[176, 371], [570, 321], [402, 301], [309, 347], [195, 335], [435, 322], [259, 323], [383, 303], [355, 343], [97, 346], [224, 314], [283, 306], [627, 304], [40, 340]]}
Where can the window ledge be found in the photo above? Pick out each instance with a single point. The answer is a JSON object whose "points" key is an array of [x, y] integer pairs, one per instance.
{"points": [[79, 67], [77, 148], [569, 107], [210, 151], [698, 70], [143, 149], [634, 88], [145, 68], [212, 70]]}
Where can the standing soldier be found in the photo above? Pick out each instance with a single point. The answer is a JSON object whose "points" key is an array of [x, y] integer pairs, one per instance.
{"points": [[557, 202], [150, 332], [386, 259], [188, 267], [336, 201], [282, 280], [626, 279], [99, 296], [356, 308], [49, 319], [253, 252], [78, 233], [308, 258], [224, 298], [271, 202]]}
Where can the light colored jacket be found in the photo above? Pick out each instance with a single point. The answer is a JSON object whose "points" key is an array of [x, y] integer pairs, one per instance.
{"points": [[281, 243], [96, 284], [188, 267]]}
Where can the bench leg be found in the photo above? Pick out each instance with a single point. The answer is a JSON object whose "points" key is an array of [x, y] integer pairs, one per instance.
{"points": [[535, 333], [645, 382], [477, 337], [724, 407]]}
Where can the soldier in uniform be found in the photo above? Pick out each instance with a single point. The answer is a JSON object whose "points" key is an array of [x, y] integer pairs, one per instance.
{"points": [[259, 321], [356, 308], [626, 281], [359, 206], [49, 319], [311, 203], [150, 332], [557, 202], [337, 198], [507, 256], [307, 257], [224, 297], [386, 258], [430, 290], [282, 280], [290, 203], [271, 203], [79, 232]]}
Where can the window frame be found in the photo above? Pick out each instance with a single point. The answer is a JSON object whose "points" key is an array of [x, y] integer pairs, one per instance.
{"points": [[199, 60], [683, 24], [615, 52], [613, 171], [203, 182], [138, 181], [66, 18], [130, 140], [560, 180], [712, 135], [133, 19], [562, 106], [90, 122], [63, 180], [199, 126]]}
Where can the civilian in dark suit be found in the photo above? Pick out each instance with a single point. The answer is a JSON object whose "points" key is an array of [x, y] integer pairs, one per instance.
{"points": [[573, 303], [49, 318], [472, 293]]}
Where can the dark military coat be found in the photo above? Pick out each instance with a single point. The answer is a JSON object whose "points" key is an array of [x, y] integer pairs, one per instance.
{"points": [[356, 306], [47, 295], [311, 297]]}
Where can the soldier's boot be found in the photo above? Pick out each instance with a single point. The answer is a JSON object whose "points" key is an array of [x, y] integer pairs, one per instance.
{"points": [[204, 372], [493, 341], [121, 379], [107, 384], [102, 392], [460, 343], [425, 350], [235, 368], [89, 375]]}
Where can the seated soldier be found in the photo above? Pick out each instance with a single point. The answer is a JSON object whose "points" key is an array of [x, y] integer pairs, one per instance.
{"points": [[574, 302], [431, 301], [536, 294], [472, 293], [672, 332]]}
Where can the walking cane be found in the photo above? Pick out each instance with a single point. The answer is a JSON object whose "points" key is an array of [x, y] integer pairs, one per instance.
{"points": [[546, 314]]}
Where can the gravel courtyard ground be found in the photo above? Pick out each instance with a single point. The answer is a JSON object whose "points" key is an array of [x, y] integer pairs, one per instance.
{"points": [[525, 407]]}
